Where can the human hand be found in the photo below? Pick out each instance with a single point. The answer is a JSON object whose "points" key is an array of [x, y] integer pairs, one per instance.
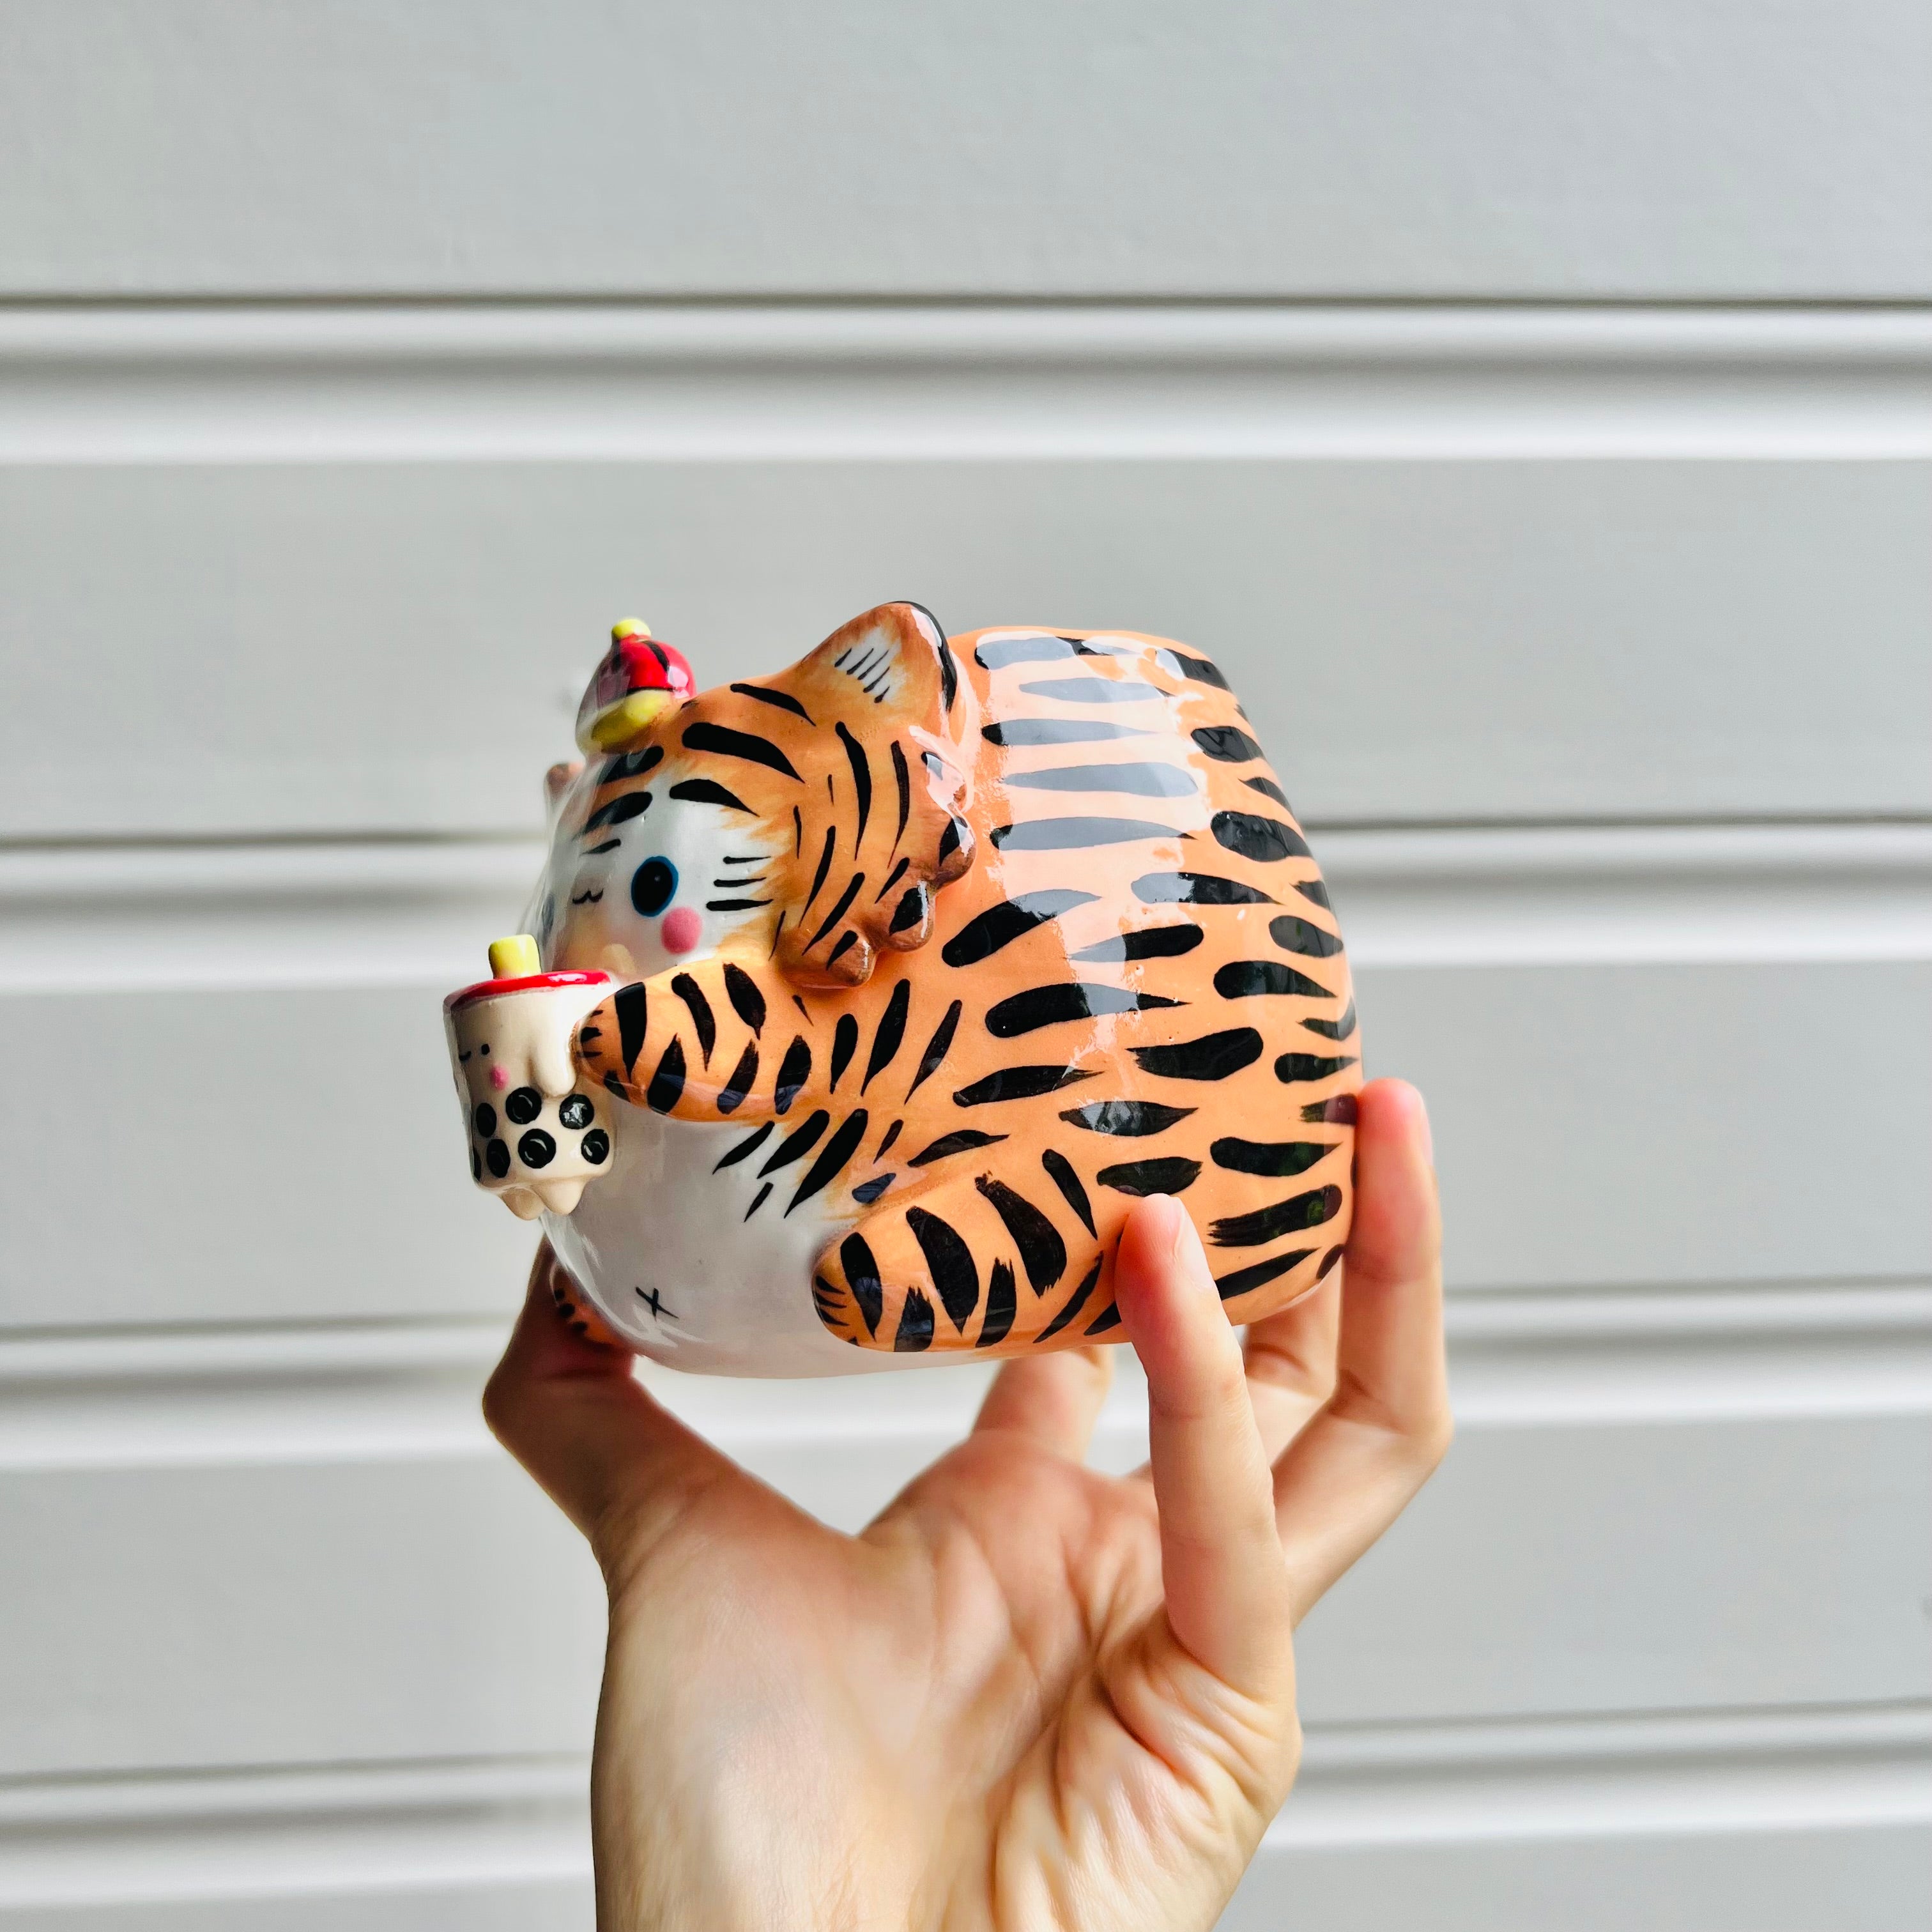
{"points": [[1027, 1695]]}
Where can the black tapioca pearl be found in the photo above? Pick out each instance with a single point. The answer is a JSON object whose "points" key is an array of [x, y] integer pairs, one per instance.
{"points": [[523, 1105], [596, 1147], [485, 1117], [575, 1112], [496, 1157], [536, 1148]]}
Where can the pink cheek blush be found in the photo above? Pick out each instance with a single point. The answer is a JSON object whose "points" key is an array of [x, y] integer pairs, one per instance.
{"points": [[681, 929], [498, 1078]]}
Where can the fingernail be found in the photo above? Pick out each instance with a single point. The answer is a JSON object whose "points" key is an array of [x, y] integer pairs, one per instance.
{"points": [[1167, 1213], [1428, 1134]]}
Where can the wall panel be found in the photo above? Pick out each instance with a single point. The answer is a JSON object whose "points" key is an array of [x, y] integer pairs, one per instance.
{"points": [[1645, 148]]}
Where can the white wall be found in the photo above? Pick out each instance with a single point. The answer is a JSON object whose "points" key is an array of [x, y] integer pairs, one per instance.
{"points": [[1544, 444]]}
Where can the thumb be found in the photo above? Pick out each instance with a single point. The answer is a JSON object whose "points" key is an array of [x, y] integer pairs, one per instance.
{"points": [[613, 1459]]}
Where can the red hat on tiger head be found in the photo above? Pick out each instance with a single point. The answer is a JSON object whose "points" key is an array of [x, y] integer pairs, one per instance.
{"points": [[637, 681]]}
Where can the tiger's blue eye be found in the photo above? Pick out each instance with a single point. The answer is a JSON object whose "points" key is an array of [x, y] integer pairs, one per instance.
{"points": [[653, 885]]}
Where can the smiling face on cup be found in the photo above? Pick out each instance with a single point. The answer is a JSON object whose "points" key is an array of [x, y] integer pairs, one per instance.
{"points": [[663, 871]]}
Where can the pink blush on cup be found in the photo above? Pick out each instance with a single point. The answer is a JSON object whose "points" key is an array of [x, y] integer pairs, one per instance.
{"points": [[681, 930]]}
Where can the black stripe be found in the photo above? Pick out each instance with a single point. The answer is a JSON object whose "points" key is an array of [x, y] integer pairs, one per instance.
{"points": [[798, 1143], [668, 1083], [1153, 942], [1328, 1261], [747, 1002], [902, 778], [891, 1134], [1017, 733], [1018, 1083], [630, 1003], [1245, 1281], [1285, 1217], [892, 1031], [861, 1278], [1076, 1302], [794, 1071], [892, 878], [733, 905], [1339, 1109], [1228, 744], [1064, 999], [708, 791], [1042, 1253], [914, 908], [782, 699], [617, 812], [1143, 781], [998, 652], [1249, 979], [862, 777], [630, 765], [1077, 835], [1212, 1057], [838, 1150], [962, 1141], [1200, 671], [1109, 1317], [797, 832], [692, 994], [838, 912], [846, 940], [1333, 1029], [869, 1191], [957, 832], [1095, 690], [824, 866], [758, 1200], [749, 1145], [1269, 789], [949, 671], [1303, 936], [704, 736], [1293, 1066], [1313, 889], [1001, 1300], [1266, 841], [1168, 1174], [1130, 1118], [998, 925], [1277, 1159], [936, 1048], [915, 1329], [1195, 888], [844, 1044], [950, 1262], [1064, 1178]]}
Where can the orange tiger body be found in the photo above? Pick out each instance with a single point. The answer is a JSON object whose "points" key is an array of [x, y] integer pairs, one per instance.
{"points": [[1022, 928]]}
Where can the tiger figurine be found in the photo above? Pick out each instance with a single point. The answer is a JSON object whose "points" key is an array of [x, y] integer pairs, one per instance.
{"points": [[935, 954]]}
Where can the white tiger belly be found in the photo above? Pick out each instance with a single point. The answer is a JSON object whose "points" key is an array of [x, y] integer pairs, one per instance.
{"points": [[672, 1257]]}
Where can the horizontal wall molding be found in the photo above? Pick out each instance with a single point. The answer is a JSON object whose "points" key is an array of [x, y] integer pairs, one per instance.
{"points": [[401, 1390], [764, 383], [373, 1828], [91, 917]]}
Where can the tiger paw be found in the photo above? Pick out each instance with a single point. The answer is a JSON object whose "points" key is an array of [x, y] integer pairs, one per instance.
{"points": [[536, 1136]]}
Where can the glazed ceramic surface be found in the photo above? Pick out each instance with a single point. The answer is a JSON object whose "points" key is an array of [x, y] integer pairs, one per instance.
{"points": [[927, 957]]}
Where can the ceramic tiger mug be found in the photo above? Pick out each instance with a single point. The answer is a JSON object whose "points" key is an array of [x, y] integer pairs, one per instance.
{"points": [[924, 958]]}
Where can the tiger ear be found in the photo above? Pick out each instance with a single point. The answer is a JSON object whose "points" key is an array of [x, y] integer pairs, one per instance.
{"points": [[884, 832], [889, 668]]}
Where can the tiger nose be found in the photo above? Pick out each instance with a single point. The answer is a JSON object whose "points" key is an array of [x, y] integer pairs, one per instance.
{"points": [[680, 930]]}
